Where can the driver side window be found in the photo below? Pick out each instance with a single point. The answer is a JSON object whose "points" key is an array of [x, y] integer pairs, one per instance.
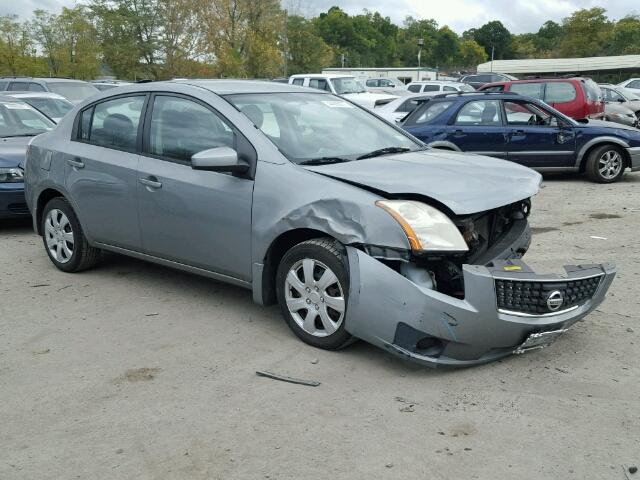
{"points": [[524, 113], [181, 127]]}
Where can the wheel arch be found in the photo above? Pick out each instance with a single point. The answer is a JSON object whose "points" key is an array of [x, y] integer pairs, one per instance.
{"points": [[266, 293], [585, 151], [45, 197], [444, 145]]}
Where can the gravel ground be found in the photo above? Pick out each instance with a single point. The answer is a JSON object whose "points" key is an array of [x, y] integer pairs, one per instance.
{"points": [[134, 371]]}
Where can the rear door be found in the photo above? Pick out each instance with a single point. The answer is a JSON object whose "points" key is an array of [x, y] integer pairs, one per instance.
{"points": [[564, 97], [478, 128], [194, 217], [536, 137], [101, 170]]}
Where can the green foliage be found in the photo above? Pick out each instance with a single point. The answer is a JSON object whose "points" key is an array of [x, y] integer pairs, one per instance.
{"points": [[493, 36], [586, 33], [159, 39]]}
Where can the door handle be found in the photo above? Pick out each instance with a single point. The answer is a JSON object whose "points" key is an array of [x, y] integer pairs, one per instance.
{"points": [[76, 162], [458, 133], [517, 133], [151, 182]]}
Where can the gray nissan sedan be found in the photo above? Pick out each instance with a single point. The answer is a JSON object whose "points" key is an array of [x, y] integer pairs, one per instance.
{"points": [[353, 226]]}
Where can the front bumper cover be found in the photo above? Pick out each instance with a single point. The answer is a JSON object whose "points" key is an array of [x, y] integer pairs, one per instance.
{"points": [[634, 156], [389, 311]]}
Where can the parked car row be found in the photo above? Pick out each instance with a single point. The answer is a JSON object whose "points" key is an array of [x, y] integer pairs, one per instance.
{"points": [[351, 224]]}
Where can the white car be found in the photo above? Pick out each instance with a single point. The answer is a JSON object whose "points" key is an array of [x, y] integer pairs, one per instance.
{"points": [[51, 104], [438, 86], [344, 85], [399, 108], [631, 84]]}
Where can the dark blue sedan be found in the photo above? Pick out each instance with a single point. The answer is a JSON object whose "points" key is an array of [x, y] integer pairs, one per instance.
{"points": [[19, 123], [526, 131]]}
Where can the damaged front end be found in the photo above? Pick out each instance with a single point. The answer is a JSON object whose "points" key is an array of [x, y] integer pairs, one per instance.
{"points": [[468, 308]]}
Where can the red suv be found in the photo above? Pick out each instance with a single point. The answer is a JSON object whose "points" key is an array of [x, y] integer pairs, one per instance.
{"points": [[575, 97]]}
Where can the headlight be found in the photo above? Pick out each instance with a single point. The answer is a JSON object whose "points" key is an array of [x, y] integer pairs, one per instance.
{"points": [[427, 228], [11, 175]]}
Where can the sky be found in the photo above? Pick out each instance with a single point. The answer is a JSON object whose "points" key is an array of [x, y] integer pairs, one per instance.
{"points": [[519, 16]]}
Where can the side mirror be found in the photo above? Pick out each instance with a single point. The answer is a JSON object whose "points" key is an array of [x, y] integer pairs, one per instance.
{"points": [[219, 159], [621, 100]]}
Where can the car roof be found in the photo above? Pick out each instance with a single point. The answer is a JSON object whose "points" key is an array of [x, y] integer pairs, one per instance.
{"points": [[19, 94], [228, 87], [322, 75], [478, 95], [43, 79], [438, 82]]}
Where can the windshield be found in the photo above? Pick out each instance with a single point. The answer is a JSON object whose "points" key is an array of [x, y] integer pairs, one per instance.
{"points": [[347, 85], [17, 119], [628, 95], [308, 126], [51, 107], [73, 91]]}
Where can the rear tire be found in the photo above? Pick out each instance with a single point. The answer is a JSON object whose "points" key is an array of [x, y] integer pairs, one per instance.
{"points": [[313, 289], [63, 238], [606, 164]]}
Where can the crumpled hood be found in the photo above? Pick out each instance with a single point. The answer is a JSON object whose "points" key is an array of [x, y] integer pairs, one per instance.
{"points": [[369, 98], [466, 183], [13, 151]]}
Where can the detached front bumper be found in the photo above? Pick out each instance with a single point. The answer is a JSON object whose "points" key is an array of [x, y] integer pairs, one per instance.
{"points": [[388, 310]]}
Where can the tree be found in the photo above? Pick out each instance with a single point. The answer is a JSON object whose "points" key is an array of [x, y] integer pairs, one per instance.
{"points": [[492, 36], [587, 33], [447, 48], [408, 37], [470, 54], [548, 37], [17, 52], [307, 51], [626, 36]]}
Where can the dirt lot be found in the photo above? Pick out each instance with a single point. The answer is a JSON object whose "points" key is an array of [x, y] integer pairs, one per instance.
{"points": [[134, 371]]}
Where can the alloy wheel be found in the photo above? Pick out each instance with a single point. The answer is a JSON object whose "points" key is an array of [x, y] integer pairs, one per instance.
{"points": [[59, 235], [610, 164], [314, 297]]}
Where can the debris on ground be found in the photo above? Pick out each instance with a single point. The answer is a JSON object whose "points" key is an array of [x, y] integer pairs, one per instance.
{"points": [[42, 351], [595, 237], [284, 378], [314, 361], [152, 314]]}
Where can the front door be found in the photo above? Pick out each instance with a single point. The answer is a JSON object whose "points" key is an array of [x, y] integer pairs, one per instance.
{"points": [[197, 218], [478, 128], [101, 173], [537, 138]]}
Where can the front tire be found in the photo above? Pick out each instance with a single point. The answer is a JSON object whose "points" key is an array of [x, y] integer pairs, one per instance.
{"points": [[313, 289], [63, 238], [606, 164]]}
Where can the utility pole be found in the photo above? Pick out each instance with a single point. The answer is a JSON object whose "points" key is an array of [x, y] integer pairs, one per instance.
{"points": [[420, 45], [493, 48], [342, 59], [286, 43]]}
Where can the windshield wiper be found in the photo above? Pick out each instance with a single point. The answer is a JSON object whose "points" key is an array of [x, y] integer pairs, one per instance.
{"points": [[324, 161], [383, 151]]}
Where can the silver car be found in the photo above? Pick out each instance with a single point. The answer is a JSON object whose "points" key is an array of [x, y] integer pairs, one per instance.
{"points": [[353, 226]]}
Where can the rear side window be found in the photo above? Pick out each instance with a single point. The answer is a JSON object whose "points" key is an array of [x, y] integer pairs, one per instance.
{"points": [[414, 88], [298, 81], [534, 89], [483, 112], [18, 86], [495, 88], [592, 91], [35, 87], [85, 124], [372, 83], [446, 88], [319, 83], [115, 123], [559, 92], [429, 113], [634, 84], [3, 85], [431, 88]]}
